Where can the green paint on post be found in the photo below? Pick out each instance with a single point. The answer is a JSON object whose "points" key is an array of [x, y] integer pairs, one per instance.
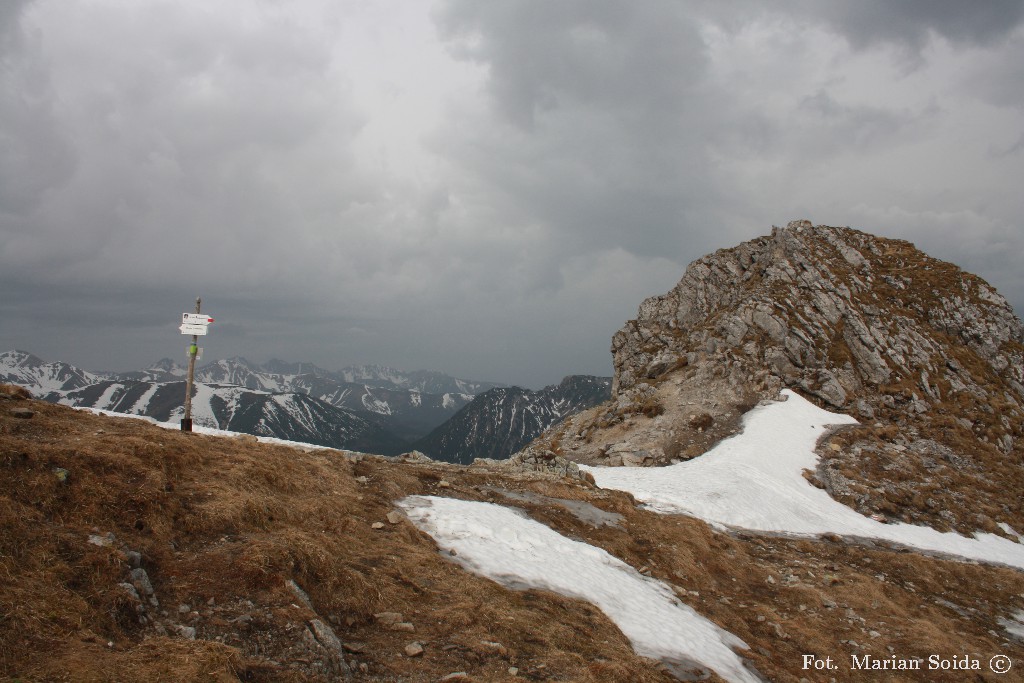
{"points": [[193, 350]]}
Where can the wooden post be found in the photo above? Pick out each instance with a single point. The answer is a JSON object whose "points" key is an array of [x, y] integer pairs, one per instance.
{"points": [[186, 422]]}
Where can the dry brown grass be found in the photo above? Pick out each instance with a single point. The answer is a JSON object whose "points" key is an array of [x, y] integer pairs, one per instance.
{"points": [[10, 391], [223, 524]]}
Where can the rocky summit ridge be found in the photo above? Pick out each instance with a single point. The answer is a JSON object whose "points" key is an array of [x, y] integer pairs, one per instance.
{"points": [[929, 359]]}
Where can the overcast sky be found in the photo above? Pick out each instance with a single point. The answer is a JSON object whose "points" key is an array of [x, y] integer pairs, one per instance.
{"points": [[488, 189]]}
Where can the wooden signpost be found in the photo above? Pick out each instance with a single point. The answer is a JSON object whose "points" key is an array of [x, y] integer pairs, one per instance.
{"points": [[194, 324]]}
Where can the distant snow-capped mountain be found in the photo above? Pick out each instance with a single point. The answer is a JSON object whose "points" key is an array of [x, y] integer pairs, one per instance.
{"points": [[499, 422], [278, 375], [396, 396], [394, 403], [40, 377], [164, 370], [423, 381], [293, 416]]}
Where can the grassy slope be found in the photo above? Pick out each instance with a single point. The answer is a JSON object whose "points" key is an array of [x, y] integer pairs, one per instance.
{"points": [[222, 524]]}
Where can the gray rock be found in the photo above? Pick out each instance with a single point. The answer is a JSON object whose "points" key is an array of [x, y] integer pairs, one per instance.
{"points": [[302, 596], [102, 541], [325, 637], [661, 364], [186, 632], [130, 590], [636, 459], [388, 618], [772, 326], [555, 465], [140, 579], [415, 457]]}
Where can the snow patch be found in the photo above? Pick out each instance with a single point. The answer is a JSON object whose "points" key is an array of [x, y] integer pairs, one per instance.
{"points": [[202, 411], [518, 552], [1014, 625], [376, 405], [108, 394], [143, 401], [754, 481]]}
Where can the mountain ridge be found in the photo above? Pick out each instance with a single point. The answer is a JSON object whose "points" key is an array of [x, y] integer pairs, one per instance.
{"points": [[500, 421], [928, 357], [384, 413]]}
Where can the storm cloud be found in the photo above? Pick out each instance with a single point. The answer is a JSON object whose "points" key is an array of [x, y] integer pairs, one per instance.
{"points": [[487, 189]]}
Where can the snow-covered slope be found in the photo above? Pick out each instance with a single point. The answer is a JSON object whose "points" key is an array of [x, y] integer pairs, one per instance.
{"points": [[291, 416], [755, 481], [164, 370], [507, 546], [240, 372], [409, 410], [388, 398], [40, 377]]}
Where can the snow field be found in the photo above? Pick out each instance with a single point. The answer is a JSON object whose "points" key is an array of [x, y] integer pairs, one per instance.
{"points": [[754, 481], [506, 546], [140, 404]]}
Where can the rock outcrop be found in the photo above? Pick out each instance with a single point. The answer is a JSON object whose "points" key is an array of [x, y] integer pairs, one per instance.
{"points": [[928, 357]]}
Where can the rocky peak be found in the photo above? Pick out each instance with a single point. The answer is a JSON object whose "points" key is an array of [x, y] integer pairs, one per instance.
{"points": [[831, 311], [928, 357], [16, 358]]}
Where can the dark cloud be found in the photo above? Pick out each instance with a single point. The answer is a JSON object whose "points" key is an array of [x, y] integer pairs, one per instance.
{"points": [[500, 219], [912, 22], [35, 154], [907, 24], [612, 55], [600, 111], [10, 25]]}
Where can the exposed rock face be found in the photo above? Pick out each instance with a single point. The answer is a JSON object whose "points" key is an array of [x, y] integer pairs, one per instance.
{"points": [[832, 311], [928, 357]]}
